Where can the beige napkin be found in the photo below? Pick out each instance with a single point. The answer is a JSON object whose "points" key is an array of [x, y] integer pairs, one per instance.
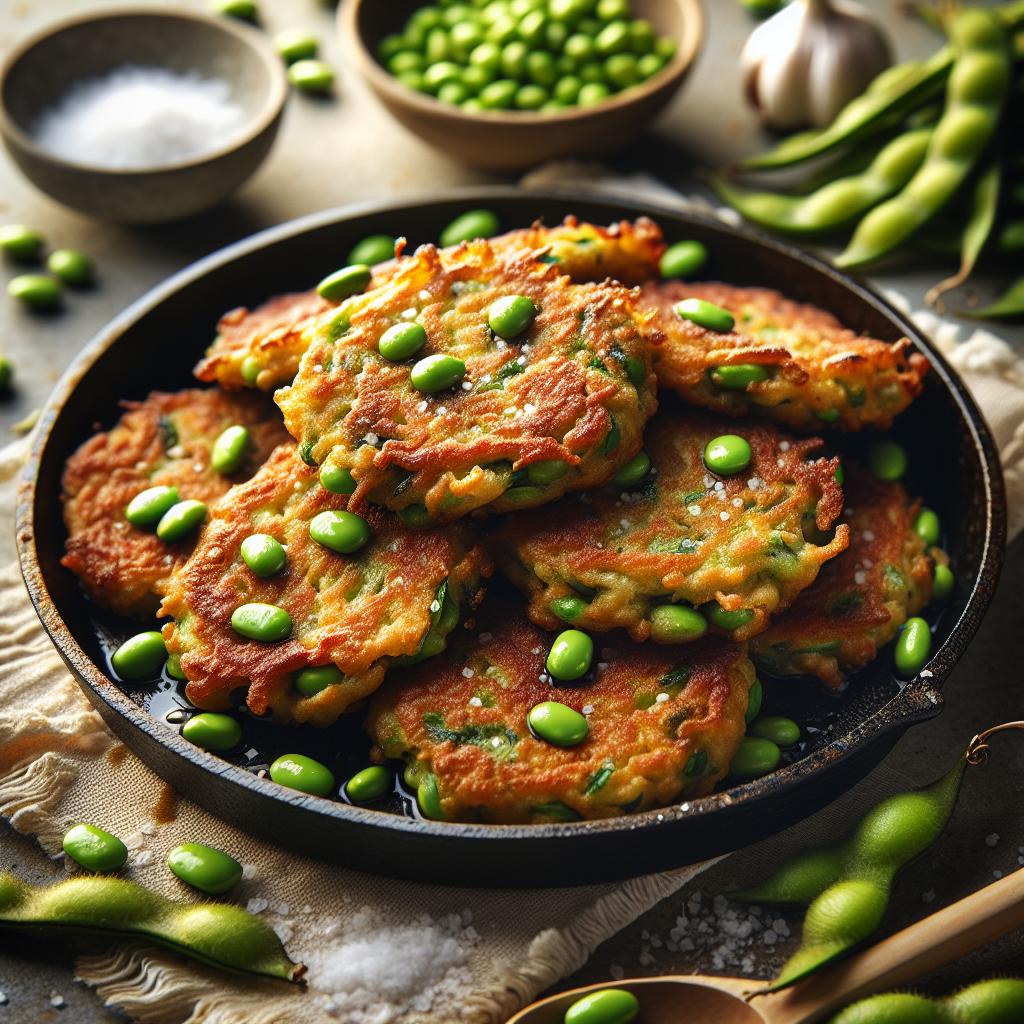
{"points": [[471, 955]]}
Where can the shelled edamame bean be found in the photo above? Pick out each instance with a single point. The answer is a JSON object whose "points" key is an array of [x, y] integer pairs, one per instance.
{"points": [[536, 57], [94, 849], [204, 867], [605, 1006]]}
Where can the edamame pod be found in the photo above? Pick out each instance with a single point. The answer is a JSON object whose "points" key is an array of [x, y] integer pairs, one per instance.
{"points": [[995, 1001]]}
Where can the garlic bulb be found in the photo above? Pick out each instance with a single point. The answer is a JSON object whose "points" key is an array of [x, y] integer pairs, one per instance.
{"points": [[804, 64]]}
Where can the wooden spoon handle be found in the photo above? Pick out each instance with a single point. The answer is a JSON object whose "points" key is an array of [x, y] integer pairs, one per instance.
{"points": [[939, 939]]}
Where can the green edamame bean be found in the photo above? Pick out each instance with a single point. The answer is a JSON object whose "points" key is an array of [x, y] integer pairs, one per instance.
{"points": [[147, 508], [336, 479], [174, 669], [633, 471], [737, 376], [580, 48], [400, 341], [205, 868], [455, 93], [311, 681], [438, 47], [641, 36], [762, 9], [372, 250], [437, 373], [228, 452], [312, 76], [683, 259], [296, 44], [706, 314], [406, 62], [783, 732], [755, 757], [570, 655], [212, 731], [370, 784], [343, 532], [428, 798], [942, 584], [592, 93], [557, 723], [727, 454], [913, 645], [263, 554], [250, 371], [6, 373], [487, 57], [728, 620], [244, 10], [296, 771], [567, 608], [927, 526], [513, 59], [94, 849], [342, 283], [510, 315], [469, 225], [755, 698], [649, 65], [620, 69], [439, 74], [264, 622], [541, 69], [20, 242], [546, 472], [676, 624], [71, 266], [613, 38], [499, 95], [567, 89], [37, 291], [140, 656], [181, 519], [887, 460], [982, 1003], [606, 1006], [612, 10], [531, 97]]}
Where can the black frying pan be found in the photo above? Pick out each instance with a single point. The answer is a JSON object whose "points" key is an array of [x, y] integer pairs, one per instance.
{"points": [[155, 343]]}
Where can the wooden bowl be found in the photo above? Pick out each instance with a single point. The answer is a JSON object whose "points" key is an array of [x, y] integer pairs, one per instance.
{"points": [[505, 140], [40, 71]]}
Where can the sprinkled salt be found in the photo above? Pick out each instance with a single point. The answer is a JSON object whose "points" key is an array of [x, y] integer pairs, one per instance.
{"points": [[661, 698], [468, 673], [57, 1001], [992, 839], [694, 510], [486, 638], [860, 577], [137, 117], [587, 709], [476, 702], [724, 516], [783, 446], [257, 905], [3, 998]]}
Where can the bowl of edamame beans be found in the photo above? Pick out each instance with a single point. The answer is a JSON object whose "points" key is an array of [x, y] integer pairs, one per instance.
{"points": [[507, 84], [316, 789]]}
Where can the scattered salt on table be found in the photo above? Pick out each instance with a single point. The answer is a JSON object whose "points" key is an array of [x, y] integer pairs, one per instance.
{"points": [[139, 117]]}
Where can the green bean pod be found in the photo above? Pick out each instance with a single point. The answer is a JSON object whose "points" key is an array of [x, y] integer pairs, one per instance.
{"points": [[217, 934], [841, 200], [1007, 306], [995, 1001], [975, 95], [846, 886]]}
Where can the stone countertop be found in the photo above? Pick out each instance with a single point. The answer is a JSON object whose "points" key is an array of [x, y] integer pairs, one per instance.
{"points": [[347, 149]]}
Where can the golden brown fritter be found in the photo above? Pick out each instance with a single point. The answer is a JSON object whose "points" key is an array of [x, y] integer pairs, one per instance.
{"points": [[164, 440], [263, 347], [396, 596], [684, 534], [819, 373], [664, 723], [573, 391], [859, 601]]}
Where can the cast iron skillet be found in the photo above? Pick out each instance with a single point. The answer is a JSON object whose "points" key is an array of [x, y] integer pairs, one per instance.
{"points": [[954, 464]]}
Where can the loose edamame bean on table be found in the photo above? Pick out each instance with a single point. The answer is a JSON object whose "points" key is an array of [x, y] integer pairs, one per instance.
{"points": [[570, 656], [264, 555], [147, 508], [264, 622], [247, 10], [312, 76], [217, 934], [37, 291], [343, 532], [204, 867], [296, 771], [311, 681], [606, 1006], [370, 784], [558, 724], [20, 242], [94, 849], [71, 266], [181, 519], [296, 44], [228, 452], [140, 656], [212, 731]]}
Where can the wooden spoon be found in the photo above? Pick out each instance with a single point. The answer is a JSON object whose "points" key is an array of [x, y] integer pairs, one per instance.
{"points": [[937, 940]]}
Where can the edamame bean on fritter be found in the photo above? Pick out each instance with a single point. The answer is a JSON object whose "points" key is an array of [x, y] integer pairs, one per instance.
{"points": [[859, 601], [165, 442], [684, 549], [460, 429], [651, 725], [800, 365], [338, 611]]}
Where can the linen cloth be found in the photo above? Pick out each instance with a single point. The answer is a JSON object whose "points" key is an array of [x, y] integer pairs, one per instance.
{"points": [[59, 764]]}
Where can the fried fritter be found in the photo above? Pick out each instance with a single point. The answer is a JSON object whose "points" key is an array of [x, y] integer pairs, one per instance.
{"points": [[664, 724], [819, 373], [262, 347], [572, 391], [395, 597], [164, 440], [683, 534], [859, 601]]}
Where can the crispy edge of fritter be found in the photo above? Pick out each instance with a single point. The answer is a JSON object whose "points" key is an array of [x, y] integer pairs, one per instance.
{"points": [[663, 738], [806, 388], [123, 567], [207, 588], [543, 550], [881, 517], [556, 393]]}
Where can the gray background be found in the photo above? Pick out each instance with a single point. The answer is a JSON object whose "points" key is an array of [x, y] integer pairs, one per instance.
{"points": [[347, 149]]}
